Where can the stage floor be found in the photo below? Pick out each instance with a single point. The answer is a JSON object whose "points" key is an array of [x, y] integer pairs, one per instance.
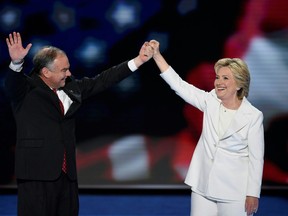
{"points": [[145, 203]]}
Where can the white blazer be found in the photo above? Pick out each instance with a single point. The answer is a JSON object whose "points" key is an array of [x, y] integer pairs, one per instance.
{"points": [[228, 167]]}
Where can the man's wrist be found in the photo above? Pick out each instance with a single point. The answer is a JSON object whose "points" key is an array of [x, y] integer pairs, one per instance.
{"points": [[18, 62], [16, 67], [132, 65]]}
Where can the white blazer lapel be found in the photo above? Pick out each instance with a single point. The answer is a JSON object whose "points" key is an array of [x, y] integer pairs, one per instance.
{"points": [[240, 120], [214, 110], [214, 116]]}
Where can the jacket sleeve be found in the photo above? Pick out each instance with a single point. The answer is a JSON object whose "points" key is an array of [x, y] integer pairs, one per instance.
{"points": [[256, 156], [15, 86], [188, 92], [104, 80]]}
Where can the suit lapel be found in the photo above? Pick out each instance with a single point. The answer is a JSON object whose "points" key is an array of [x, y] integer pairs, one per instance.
{"points": [[214, 111], [240, 119], [72, 90], [37, 82]]}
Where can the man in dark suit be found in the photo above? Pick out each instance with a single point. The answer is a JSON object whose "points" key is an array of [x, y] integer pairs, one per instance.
{"points": [[44, 103]]}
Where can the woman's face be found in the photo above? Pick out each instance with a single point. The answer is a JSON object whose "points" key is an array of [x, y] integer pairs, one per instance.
{"points": [[225, 85]]}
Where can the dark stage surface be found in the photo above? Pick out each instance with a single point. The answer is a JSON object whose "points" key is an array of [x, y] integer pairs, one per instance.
{"points": [[150, 202]]}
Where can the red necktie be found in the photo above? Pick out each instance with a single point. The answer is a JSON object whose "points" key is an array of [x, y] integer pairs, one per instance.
{"points": [[64, 166]]}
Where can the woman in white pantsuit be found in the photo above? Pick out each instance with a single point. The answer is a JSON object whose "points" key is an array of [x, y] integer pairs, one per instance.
{"points": [[225, 173]]}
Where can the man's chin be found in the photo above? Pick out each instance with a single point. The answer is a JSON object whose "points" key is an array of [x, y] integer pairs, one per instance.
{"points": [[62, 84]]}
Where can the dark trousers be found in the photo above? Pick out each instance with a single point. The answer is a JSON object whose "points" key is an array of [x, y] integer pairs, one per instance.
{"points": [[48, 198]]}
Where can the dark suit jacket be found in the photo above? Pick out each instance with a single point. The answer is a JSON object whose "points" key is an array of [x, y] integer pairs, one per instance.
{"points": [[42, 131]]}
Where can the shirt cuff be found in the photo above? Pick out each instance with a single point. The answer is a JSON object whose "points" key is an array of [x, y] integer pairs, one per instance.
{"points": [[168, 71], [132, 66], [16, 67]]}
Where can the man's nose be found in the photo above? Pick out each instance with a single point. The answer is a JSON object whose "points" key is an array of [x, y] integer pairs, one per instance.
{"points": [[68, 73]]}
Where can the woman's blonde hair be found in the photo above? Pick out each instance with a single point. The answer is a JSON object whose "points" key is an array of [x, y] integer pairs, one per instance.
{"points": [[240, 73]]}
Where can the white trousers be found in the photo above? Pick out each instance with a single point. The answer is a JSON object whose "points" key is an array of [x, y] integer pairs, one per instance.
{"points": [[201, 206]]}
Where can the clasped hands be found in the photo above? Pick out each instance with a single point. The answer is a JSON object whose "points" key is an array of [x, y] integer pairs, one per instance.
{"points": [[150, 48]]}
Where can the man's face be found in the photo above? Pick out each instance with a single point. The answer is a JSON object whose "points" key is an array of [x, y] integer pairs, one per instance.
{"points": [[58, 72]]}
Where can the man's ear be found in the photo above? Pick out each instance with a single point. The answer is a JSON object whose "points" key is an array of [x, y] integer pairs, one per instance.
{"points": [[45, 72]]}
